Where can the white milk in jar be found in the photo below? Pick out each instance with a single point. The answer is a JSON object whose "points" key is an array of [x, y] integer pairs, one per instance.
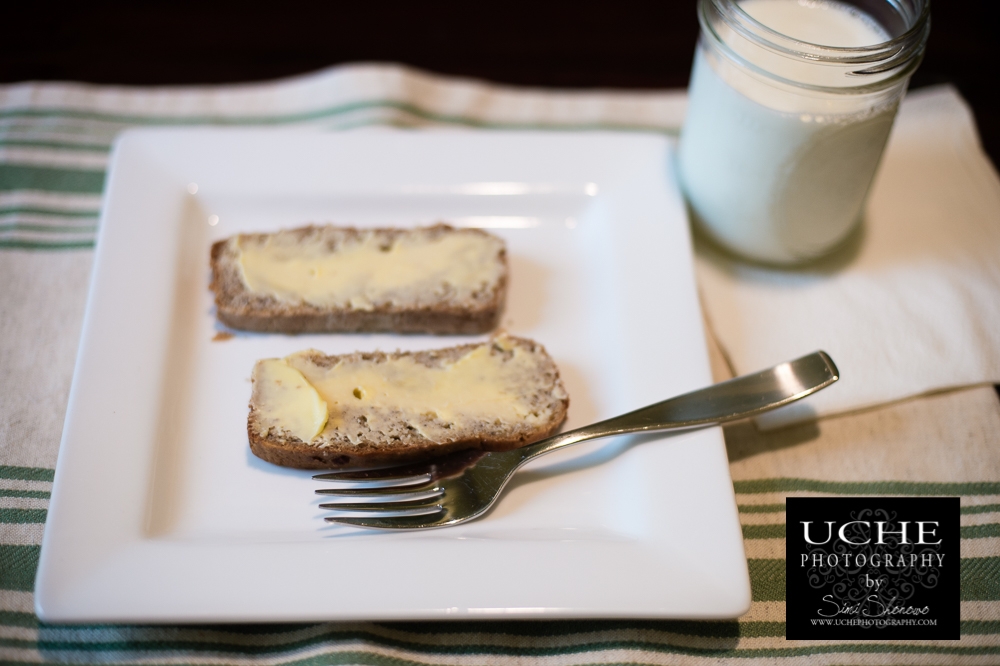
{"points": [[791, 103]]}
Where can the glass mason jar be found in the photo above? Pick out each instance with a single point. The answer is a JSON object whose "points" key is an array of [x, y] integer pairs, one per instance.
{"points": [[782, 135]]}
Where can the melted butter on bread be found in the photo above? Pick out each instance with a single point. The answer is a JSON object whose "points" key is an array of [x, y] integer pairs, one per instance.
{"points": [[405, 406], [483, 385], [436, 399], [367, 271]]}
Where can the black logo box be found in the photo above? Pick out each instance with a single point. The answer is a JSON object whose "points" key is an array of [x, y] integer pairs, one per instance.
{"points": [[875, 568]]}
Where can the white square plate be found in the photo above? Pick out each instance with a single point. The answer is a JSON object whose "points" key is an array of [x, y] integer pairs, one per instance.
{"points": [[159, 511]]}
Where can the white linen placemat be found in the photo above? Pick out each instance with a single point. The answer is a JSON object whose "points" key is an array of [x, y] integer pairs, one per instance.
{"points": [[911, 305]]}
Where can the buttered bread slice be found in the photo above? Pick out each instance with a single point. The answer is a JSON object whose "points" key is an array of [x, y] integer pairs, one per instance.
{"points": [[314, 279], [314, 411]]}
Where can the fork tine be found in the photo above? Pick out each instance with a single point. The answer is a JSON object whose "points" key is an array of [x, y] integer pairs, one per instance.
{"points": [[384, 495], [386, 523], [383, 511], [355, 480], [379, 506]]}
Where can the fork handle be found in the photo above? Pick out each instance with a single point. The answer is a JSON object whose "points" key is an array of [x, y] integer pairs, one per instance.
{"points": [[739, 398]]}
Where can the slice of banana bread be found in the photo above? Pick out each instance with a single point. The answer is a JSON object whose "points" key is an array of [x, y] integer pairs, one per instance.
{"points": [[313, 411], [318, 279]]}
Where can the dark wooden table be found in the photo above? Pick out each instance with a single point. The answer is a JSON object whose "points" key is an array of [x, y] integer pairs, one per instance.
{"points": [[584, 44]]}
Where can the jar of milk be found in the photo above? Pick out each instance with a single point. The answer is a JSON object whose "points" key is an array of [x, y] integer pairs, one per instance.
{"points": [[791, 102]]}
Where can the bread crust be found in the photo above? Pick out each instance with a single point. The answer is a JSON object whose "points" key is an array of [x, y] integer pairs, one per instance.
{"points": [[406, 445], [237, 307]]}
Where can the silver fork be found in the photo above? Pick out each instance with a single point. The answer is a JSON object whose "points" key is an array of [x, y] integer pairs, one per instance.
{"points": [[461, 487]]}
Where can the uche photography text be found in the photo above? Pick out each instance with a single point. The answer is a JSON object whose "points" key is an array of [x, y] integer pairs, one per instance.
{"points": [[877, 568]]}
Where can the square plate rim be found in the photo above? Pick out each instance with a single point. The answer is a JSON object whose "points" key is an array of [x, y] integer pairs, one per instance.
{"points": [[741, 597]]}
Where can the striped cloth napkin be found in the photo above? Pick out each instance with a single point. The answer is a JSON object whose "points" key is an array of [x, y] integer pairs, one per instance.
{"points": [[54, 143]]}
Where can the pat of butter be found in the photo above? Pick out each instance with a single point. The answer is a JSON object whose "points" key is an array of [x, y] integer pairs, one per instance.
{"points": [[287, 401], [367, 270]]}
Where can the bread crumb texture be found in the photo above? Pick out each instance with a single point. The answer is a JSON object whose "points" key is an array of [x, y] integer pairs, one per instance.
{"points": [[403, 406], [436, 279]]}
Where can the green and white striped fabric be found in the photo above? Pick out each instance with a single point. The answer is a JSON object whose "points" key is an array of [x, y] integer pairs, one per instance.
{"points": [[54, 144], [55, 138]]}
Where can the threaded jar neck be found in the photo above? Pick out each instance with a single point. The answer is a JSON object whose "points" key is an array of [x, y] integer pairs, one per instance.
{"points": [[753, 46]]}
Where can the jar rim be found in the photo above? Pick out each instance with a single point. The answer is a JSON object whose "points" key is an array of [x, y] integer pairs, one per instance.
{"points": [[896, 58]]}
